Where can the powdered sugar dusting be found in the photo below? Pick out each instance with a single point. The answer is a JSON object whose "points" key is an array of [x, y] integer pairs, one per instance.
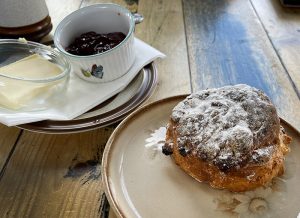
{"points": [[226, 126], [157, 139], [262, 155]]}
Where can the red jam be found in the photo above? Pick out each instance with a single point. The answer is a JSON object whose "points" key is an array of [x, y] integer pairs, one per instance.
{"points": [[91, 43]]}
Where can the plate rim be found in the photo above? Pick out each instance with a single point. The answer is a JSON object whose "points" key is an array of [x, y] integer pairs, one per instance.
{"points": [[124, 110], [106, 157]]}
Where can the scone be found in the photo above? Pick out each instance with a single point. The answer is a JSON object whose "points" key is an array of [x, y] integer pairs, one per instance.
{"points": [[229, 137]]}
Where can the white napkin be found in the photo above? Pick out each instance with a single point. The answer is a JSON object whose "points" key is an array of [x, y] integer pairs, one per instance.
{"points": [[81, 96]]}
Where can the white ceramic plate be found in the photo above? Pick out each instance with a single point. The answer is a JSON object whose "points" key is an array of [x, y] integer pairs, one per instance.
{"points": [[142, 182]]}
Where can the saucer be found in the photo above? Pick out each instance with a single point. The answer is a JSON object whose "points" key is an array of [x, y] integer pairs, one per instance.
{"points": [[111, 111]]}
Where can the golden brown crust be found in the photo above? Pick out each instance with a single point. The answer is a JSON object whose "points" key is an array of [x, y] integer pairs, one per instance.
{"points": [[246, 178]]}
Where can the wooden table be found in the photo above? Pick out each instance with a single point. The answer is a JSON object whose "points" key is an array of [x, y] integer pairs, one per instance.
{"points": [[208, 43]]}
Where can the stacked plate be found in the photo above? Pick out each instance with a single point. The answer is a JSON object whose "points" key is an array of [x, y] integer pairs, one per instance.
{"points": [[108, 112]]}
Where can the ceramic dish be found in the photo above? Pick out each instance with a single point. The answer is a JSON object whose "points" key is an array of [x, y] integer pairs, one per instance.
{"points": [[30, 90], [108, 112], [100, 18], [140, 181]]}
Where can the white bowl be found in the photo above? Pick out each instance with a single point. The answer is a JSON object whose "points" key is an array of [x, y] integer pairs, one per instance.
{"points": [[100, 18]]}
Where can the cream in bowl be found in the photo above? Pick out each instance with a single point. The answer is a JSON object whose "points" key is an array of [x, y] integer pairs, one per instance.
{"points": [[30, 73], [98, 40]]}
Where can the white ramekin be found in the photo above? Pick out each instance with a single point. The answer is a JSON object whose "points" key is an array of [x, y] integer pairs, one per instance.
{"points": [[100, 18]]}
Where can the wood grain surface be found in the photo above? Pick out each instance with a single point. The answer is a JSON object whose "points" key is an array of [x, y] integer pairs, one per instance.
{"points": [[208, 43], [228, 45], [163, 28], [163, 21], [9, 135], [59, 175], [58, 10], [8, 138], [283, 27], [54, 176], [91, 2]]}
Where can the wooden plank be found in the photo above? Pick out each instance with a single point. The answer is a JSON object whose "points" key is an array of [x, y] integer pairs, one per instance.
{"points": [[58, 175], [131, 5], [228, 45], [91, 2], [59, 9], [8, 135], [163, 28], [54, 176], [8, 138], [283, 27], [119, 2]]}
